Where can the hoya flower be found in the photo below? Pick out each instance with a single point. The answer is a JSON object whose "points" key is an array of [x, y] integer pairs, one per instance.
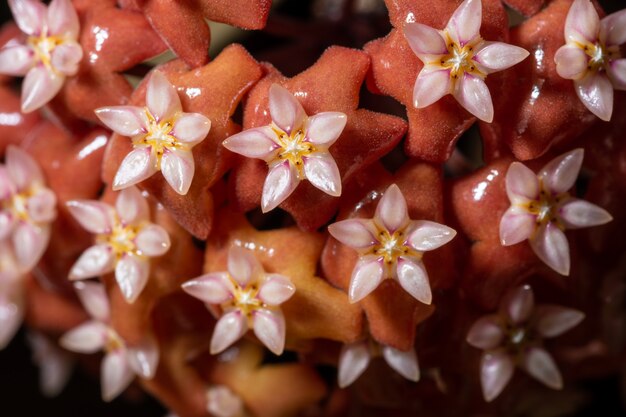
{"points": [[162, 136], [391, 245], [542, 209], [27, 207], [51, 52], [355, 357], [121, 362], [11, 295], [591, 56], [125, 241], [294, 146], [248, 297], [457, 60], [514, 337], [222, 402]]}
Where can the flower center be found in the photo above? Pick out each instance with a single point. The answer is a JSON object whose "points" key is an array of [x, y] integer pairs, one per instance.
{"points": [[43, 46], [600, 56], [245, 299], [391, 246], [159, 137], [121, 239], [18, 204], [293, 147], [113, 341], [460, 59], [546, 208]]}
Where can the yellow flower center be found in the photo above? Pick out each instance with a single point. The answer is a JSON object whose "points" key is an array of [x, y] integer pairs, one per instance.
{"points": [[113, 341], [43, 45], [599, 55], [460, 59], [245, 299], [159, 137], [390, 247], [546, 208], [18, 204], [293, 148], [121, 239]]}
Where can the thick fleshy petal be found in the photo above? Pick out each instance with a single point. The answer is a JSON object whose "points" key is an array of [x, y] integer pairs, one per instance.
{"points": [[89, 337], [392, 212], [486, 332], [125, 120], [464, 25], [22, 168], [582, 23], [286, 111], [93, 297], [161, 97], [560, 174], [496, 370], [11, 316], [516, 225], [253, 143], [16, 60], [427, 235], [144, 358], [431, 84], [30, 242], [540, 365], [571, 62], [356, 233], [229, 328], [42, 206], [553, 321], [353, 361], [138, 165], [519, 304], [214, 288], [404, 363], [617, 73], [222, 402], [269, 327], [94, 216], [276, 289], [39, 87], [498, 56], [366, 277], [178, 168], [62, 19], [596, 93], [243, 266], [413, 277], [116, 374], [153, 240], [7, 224], [424, 40], [30, 15], [7, 185], [66, 57], [321, 170], [131, 206], [324, 128], [521, 184], [95, 261], [580, 213], [613, 28], [473, 94], [191, 128], [280, 182], [131, 274]]}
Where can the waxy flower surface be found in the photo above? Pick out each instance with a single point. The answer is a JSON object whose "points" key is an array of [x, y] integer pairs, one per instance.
{"points": [[120, 363], [222, 402], [249, 298], [294, 146], [27, 207], [51, 52], [11, 295], [125, 241], [162, 136], [542, 209], [391, 245], [514, 337], [592, 57], [457, 60]]}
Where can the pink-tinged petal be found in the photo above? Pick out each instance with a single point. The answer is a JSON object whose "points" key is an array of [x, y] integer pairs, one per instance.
{"points": [[66, 57], [391, 211], [413, 277], [89, 337], [254, 143], [131, 274], [560, 174], [286, 111], [366, 277], [11, 316], [7, 186], [276, 289], [540, 365], [137, 166], [214, 288], [161, 97], [269, 327], [324, 128], [498, 56], [321, 170], [519, 304], [116, 374], [516, 225], [281, 180], [222, 402], [580, 213], [7, 224], [191, 128], [243, 266], [571, 62], [30, 15], [424, 40], [125, 120], [16, 60], [431, 84], [94, 299], [95, 261], [153, 240], [553, 320], [522, 184], [39, 87], [356, 233], [427, 235], [94, 216], [42, 206], [596, 93], [486, 332], [22, 168], [229, 328], [62, 19], [496, 370], [30, 242], [404, 363], [353, 361], [613, 28], [131, 206], [582, 23], [178, 167], [464, 25], [144, 358], [473, 94], [617, 73]]}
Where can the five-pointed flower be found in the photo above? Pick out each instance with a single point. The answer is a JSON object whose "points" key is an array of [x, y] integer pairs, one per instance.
{"points": [[542, 209], [11, 294], [391, 245], [27, 207], [249, 298], [125, 240], [591, 56], [121, 363], [162, 136], [294, 146], [50, 54], [514, 337], [355, 357], [457, 60]]}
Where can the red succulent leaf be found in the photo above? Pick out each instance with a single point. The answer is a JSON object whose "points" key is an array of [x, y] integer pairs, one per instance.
{"points": [[15, 126]]}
